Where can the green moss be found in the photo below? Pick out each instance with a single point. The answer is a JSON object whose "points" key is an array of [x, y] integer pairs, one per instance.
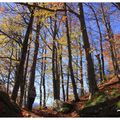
{"points": [[93, 103], [116, 87], [113, 92], [100, 97], [63, 110], [117, 95], [118, 104]]}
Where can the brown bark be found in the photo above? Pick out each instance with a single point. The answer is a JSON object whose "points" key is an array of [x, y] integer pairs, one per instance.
{"points": [[56, 80], [81, 72], [67, 92], [102, 57], [9, 70], [90, 68], [23, 83], [41, 80], [22, 60], [44, 102], [32, 75], [70, 58], [62, 75], [99, 65]]}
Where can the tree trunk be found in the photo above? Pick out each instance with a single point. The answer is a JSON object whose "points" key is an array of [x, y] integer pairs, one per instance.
{"points": [[32, 75], [62, 75], [9, 70], [67, 92], [70, 58], [57, 75], [25, 96], [56, 81], [81, 72], [110, 37], [22, 87], [41, 81], [99, 65], [23, 56], [102, 57], [90, 68], [41, 90], [44, 102]]}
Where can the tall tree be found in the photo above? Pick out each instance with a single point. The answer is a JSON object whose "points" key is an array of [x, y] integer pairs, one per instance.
{"points": [[90, 68], [41, 80], [67, 88], [63, 90], [44, 101], [9, 70], [110, 37], [101, 46], [56, 80], [99, 65], [32, 75], [81, 70], [23, 83], [70, 57], [23, 56]]}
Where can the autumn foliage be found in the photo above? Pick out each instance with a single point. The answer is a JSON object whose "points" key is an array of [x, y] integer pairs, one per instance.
{"points": [[66, 50]]}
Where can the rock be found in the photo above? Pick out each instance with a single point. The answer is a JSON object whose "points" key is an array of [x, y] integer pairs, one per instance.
{"points": [[102, 109], [65, 110], [8, 108], [61, 106]]}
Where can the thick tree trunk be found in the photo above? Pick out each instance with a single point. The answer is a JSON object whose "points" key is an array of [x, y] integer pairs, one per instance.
{"points": [[23, 56], [90, 68], [102, 57], [56, 80], [70, 58], [32, 75], [22, 87]]}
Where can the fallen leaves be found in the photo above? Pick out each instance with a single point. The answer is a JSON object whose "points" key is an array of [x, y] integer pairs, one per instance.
{"points": [[110, 90]]}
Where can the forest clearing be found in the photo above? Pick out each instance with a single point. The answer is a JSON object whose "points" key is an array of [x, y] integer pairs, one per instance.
{"points": [[65, 56]]}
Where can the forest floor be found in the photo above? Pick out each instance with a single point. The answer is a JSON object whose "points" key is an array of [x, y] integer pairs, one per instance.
{"points": [[111, 89]]}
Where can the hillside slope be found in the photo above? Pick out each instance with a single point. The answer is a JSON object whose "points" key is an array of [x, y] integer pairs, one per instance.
{"points": [[104, 103]]}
